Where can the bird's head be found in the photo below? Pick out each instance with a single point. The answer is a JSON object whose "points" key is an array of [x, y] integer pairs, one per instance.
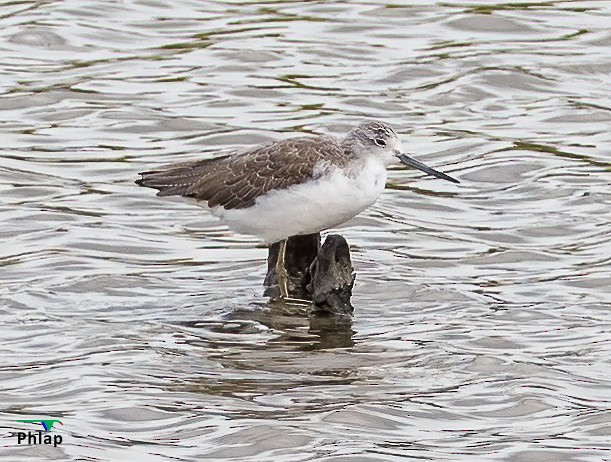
{"points": [[380, 140]]}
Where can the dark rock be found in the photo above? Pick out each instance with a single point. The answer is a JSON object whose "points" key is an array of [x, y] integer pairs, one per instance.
{"points": [[321, 274], [332, 278]]}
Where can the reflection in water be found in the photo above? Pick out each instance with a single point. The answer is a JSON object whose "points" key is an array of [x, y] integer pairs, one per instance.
{"points": [[290, 319], [482, 313]]}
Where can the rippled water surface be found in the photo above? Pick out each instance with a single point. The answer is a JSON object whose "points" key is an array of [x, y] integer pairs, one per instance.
{"points": [[483, 310]]}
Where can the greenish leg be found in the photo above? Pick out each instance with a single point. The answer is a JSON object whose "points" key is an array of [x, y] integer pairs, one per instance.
{"points": [[281, 272]]}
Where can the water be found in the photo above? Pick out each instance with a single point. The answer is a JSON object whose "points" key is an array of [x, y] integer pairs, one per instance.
{"points": [[482, 319]]}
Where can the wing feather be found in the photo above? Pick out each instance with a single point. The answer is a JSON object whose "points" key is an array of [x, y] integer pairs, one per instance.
{"points": [[236, 181]]}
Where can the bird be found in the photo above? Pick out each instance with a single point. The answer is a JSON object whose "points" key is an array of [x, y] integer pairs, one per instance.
{"points": [[295, 186]]}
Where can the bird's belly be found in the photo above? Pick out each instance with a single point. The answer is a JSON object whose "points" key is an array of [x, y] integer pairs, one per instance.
{"points": [[310, 207]]}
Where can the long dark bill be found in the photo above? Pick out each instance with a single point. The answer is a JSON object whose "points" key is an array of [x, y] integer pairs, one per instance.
{"points": [[420, 166]]}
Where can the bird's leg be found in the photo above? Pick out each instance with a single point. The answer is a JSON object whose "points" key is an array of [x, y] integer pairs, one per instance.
{"points": [[281, 272], [283, 279]]}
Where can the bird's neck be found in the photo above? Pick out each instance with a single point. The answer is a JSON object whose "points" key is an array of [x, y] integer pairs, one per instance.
{"points": [[351, 145]]}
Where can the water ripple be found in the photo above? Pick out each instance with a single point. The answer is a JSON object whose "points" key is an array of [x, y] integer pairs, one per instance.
{"points": [[482, 310]]}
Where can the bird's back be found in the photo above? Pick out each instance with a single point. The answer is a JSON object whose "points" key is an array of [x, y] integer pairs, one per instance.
{"points": [[236, 181]]}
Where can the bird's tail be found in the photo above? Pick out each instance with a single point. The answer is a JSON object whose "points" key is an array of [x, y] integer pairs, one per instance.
{"points": [[177, 179]]}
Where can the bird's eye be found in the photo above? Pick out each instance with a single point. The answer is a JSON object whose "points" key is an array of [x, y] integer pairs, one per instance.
{"points": [[380, 142]]}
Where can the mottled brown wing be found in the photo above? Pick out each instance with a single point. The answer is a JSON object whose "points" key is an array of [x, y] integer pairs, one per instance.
{"points": [[235, 181]]}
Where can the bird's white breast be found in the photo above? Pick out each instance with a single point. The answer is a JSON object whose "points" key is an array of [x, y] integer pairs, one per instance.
{"points": [[332, 199]]}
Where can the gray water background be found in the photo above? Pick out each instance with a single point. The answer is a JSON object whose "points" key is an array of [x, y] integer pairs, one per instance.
{"points": [[483, 310]]}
